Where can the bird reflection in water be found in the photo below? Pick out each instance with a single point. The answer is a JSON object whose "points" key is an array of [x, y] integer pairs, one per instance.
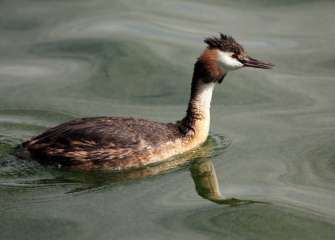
{"points": [[207, 184]]}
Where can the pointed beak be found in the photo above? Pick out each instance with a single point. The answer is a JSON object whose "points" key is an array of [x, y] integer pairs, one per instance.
{"points": [[251, 62]]}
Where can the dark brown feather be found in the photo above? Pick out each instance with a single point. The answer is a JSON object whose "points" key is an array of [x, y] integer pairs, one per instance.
{"points": [[96, 139], [224, 43]]}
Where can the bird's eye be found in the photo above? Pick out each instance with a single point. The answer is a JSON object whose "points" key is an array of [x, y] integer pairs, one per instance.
{"points": [[234, 55]]}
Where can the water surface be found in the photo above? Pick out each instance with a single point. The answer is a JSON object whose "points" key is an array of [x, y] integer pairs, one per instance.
{"points": [[65, 59]]}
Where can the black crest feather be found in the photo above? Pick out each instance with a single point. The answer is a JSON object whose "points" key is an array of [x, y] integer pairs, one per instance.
{"points": [[224, 43]]}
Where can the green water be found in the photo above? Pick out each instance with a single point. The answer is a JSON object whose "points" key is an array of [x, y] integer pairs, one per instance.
{"points": [[273, 132]]}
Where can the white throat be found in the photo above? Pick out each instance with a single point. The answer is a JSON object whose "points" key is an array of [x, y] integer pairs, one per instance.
{"points": [[204, 97], [202, 105]]}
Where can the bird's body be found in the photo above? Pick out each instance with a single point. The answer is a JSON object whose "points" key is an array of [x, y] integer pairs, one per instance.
{"points": [[106, 142], [110, 143], [117, 143]]}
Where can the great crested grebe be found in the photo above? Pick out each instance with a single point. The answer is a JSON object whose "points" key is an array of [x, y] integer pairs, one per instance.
{"points": [[117, 143]]}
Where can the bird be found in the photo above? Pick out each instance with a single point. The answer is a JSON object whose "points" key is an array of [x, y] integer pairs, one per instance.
{"points": [[125, 143]]}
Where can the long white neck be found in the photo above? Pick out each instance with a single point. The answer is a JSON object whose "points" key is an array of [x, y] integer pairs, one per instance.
{"points": [[197, 119], [202, 99], [202, 102], [207, 73]]}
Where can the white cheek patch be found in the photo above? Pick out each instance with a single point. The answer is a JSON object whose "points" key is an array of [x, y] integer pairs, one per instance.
{"points": [[228, 62]]}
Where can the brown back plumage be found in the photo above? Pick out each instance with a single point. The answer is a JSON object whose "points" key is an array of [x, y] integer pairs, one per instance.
{"points": [[100, 138]]}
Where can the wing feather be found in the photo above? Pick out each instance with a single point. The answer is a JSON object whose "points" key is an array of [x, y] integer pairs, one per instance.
{"points": [[100, 138]]}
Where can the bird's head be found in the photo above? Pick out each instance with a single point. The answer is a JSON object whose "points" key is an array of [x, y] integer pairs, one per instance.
{"points": [[224, 54]]}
